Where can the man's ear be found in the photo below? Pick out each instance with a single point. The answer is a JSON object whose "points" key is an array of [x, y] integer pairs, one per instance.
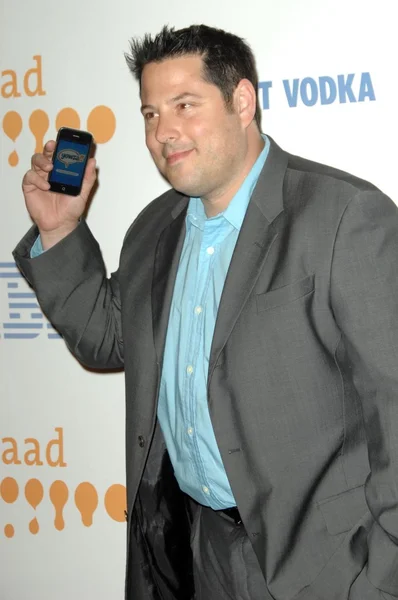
{"points": [[245, 101]]}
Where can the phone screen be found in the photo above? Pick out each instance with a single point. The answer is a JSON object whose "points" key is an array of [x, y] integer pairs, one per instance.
{"points": [[70, 160]]}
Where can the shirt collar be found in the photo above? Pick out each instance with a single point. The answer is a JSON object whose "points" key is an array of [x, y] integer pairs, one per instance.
{"points": [[236, 209]]}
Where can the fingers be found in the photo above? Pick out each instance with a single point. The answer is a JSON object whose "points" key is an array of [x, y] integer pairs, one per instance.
{"points": [[49, 148], [41, 163], [32, 178]]}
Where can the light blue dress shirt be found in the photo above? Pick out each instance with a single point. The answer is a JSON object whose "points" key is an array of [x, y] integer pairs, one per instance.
{"points": [[37, 248], [183, 409]]}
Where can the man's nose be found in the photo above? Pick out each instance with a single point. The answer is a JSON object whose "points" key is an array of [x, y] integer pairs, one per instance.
{"points": [[166, 130]]}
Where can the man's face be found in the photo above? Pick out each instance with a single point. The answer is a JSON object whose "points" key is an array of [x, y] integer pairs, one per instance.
{"points": [[196, 143]]}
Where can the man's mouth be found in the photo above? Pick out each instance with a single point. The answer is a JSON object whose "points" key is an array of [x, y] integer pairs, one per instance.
{"points": [[177, 156]]}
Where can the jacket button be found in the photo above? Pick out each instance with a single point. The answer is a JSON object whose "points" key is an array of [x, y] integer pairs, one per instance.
{"points": [[141, 441]]}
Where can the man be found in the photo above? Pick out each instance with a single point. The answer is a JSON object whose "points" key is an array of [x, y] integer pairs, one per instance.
{"points": [[255, 313]]}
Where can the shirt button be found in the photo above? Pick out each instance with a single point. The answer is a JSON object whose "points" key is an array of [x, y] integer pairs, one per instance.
{"points": [[210, 250], [198, 310], [206, 490], [141, 441], [190, 370], [190, 430]]}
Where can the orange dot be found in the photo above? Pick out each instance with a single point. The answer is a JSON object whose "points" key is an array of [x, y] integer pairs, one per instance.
{"points": [[59, 494], [86, 500], [9, 490], [115, 502], [67, 117], [34, 492], [101, 123], [38, 124], [12, 124], [13, 159], [9, 531], [34, 526]]}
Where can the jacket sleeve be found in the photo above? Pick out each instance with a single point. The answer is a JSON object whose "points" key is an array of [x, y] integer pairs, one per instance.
{"points": [[364, 296], [74, 293]]}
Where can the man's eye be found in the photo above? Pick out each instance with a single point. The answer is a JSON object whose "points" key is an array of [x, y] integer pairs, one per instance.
{"points": [[148, 116]]}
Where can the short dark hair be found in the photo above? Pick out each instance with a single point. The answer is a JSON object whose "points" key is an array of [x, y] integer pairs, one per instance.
{"points": [[227, 58]]}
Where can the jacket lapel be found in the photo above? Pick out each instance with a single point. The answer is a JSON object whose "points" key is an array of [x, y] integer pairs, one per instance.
{"points": [[260, 229], [167, 258]]}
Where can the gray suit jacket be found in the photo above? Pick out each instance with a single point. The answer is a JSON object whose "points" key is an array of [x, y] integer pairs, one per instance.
{"points": [[302, 382]]}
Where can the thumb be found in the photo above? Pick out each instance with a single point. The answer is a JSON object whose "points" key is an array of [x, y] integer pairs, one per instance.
{"points": [[89, 178]]}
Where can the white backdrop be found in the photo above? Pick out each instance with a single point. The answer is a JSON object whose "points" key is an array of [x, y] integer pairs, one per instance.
{"points": [[60, 425]]}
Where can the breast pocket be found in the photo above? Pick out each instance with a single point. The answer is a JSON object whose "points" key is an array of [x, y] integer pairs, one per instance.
{"points": [[286, 294]]}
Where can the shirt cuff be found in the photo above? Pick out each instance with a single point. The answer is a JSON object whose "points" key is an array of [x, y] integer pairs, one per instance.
{"points": [[37, 248]]}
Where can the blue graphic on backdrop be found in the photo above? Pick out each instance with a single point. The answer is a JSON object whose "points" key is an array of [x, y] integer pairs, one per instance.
{"points": [[310, 91], [25, 321]]}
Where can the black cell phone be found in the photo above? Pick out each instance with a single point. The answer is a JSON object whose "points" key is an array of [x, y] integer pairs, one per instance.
{"points": [[70, 158]]}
